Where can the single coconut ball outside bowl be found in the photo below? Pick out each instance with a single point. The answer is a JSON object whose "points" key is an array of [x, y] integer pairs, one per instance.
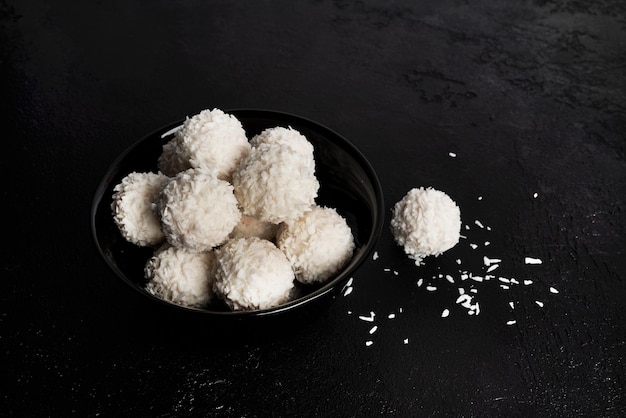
{"points": [[342, 193]]}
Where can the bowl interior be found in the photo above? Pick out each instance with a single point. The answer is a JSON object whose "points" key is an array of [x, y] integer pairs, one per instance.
{"points": [[347, 183]]}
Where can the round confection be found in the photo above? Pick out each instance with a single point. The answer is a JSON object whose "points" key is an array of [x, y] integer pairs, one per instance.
{"points": [[286, 137], [134, 210], [318, 244], [252, 274], [171, 161], [249, 226], [210, 139], [426, 222], [180, 276], [198, 211], [275, 184]]}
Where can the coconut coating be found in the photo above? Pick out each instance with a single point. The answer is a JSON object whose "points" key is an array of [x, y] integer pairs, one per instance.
{"points": [[171, 161], [198, 210], [210, 139], [249, 226], [426, 222], [252, 274], [286, 137], [318, 244], [275, 184], [134, 209], [180, 276]]}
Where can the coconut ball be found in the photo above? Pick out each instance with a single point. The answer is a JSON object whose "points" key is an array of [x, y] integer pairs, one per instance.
{"points": [[171, 161], [249, 226], [198, 210], [286, 137], [180, 276], [134, 210], [252, 274], [210, 139], [275, 184], [426, 222], [317, 244]]}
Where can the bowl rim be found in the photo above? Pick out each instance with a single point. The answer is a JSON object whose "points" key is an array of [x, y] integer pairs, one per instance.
{"points": [[280, 116]]}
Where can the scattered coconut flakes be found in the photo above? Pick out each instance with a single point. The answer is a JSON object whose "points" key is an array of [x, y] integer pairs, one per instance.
{"points": [[531, 260], [504, 286], [480, 198], [487, 243], [477, 278], [387, 270], [368, 318], [489, 261], [513, 281], [452, 154], [488, 228], [492, 267], [373, 329], [528, 282], [375, 256], [391, 316], [349, 312], [347, 291], [406, 340], [395, 273], [368, 343], [464, 300], [350, 280], [449, 278], [458, 261], [445, 313], [504, 280], [539, 303], [431, 288], [512, 322], [479, 224], [473, 290], [535, 195], [461, 291], [467, 227], [419, 282], [474, 246], [512, 305], [553, 290]]}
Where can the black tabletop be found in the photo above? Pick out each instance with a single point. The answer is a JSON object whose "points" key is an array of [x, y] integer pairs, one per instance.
{"points": [[515, 109]]}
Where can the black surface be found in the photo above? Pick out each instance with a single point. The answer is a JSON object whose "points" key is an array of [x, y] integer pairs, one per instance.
{"points": [[529, 95]]}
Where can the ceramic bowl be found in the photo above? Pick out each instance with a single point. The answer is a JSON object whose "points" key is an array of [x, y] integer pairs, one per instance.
{"points": [[348, 183]]}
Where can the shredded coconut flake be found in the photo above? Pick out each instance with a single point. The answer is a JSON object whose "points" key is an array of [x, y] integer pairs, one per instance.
{"points": [[531, 260]]}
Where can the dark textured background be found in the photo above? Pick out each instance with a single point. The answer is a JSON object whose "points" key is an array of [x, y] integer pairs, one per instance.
{"points": [[530, 95]]}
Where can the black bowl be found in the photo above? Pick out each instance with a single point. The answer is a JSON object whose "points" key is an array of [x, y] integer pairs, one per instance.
{"points": [[348, 183]]}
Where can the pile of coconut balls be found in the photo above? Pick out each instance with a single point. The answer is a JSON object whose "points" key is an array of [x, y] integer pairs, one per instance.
{"points": [[230, 217]]}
